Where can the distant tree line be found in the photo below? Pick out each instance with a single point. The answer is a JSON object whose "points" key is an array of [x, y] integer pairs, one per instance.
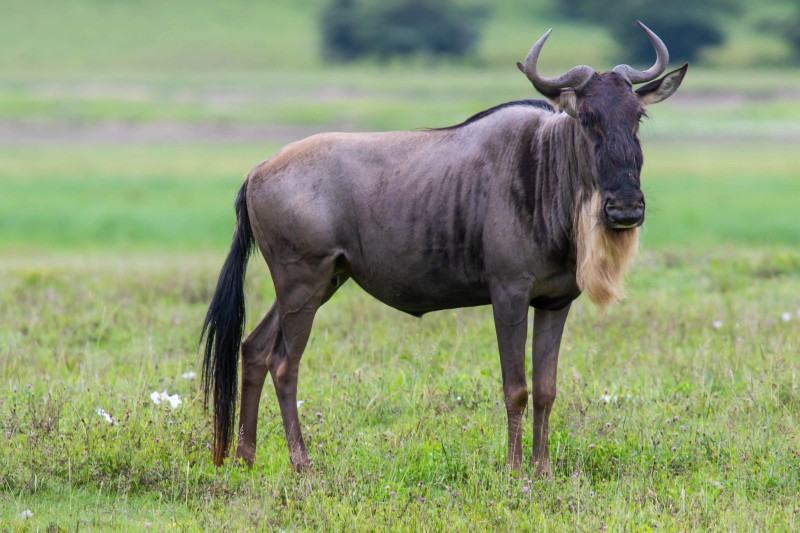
{"points": [[788, 27], [791, 31], [687, 26], [355, 29]]}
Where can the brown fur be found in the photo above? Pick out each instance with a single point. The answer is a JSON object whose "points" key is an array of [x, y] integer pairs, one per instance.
{"points": [[604, 255]]}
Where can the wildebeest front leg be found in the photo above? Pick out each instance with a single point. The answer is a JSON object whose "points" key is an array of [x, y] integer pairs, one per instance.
{"points": [[510, 307], [548, 326]]}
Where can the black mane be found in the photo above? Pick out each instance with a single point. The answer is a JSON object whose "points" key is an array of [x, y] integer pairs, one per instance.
{"points": [[539, 104]]}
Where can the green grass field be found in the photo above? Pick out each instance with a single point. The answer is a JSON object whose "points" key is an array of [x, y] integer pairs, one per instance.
{"points": [[121, 150], [698, 428]]}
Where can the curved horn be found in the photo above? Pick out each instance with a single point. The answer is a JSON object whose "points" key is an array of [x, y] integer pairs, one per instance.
{"points": [[551, 87], [662, 59]]}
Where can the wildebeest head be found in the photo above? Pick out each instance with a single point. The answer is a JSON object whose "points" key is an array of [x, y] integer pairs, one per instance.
{"points": [[609, 111]]}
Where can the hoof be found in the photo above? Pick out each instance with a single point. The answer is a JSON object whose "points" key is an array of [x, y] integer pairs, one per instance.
{"points": [[302, 464], [243, 461], [245, 454], [303, 468], [542, 469]]}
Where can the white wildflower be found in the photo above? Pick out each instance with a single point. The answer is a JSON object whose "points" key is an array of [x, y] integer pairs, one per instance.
{"points": [[173, 400], [189, 375], [607, 398], [786, 316], [27, 513], [104, 414], [716, 324]]}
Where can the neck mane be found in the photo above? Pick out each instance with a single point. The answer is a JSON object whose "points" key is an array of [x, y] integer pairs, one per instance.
{"points": [[569, 190]]}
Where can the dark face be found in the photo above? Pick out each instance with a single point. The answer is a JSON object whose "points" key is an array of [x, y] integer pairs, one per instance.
{"points": [[609, 112]]}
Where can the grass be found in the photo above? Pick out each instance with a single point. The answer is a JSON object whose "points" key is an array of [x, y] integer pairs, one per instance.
{"points": [[699, 430], [735, 194], [169, 198], [123, 197], [147, 35]]}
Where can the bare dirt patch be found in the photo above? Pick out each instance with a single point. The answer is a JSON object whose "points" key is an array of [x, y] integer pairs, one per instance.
{"points": [[42, 132]]}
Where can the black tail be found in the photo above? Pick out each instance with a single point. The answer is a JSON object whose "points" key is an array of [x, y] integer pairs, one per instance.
{"points": [[223, 329]]}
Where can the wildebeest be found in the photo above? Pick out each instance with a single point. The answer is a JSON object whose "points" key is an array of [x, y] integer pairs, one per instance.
{"points": [[526, 204]]}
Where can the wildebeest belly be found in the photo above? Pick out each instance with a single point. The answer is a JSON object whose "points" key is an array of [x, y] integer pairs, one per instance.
{"points": [[417, 277], [419, 295]]}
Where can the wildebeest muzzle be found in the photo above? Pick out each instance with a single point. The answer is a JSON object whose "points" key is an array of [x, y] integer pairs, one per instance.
{"points": [[623, 210]]}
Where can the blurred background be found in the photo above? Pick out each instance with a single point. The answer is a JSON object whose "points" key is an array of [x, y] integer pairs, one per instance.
{"points": [[127, 125]]}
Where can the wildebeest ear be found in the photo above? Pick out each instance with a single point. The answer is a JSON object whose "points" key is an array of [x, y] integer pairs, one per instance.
{"points": [[568, 103], [662, 88]]}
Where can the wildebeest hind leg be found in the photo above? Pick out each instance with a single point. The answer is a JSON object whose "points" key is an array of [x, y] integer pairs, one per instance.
{"points": [[256, 350], [301, 288]]}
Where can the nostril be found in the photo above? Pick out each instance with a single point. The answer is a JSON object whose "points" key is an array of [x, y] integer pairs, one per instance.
{"points": [[615, 208], [621, 214]]}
